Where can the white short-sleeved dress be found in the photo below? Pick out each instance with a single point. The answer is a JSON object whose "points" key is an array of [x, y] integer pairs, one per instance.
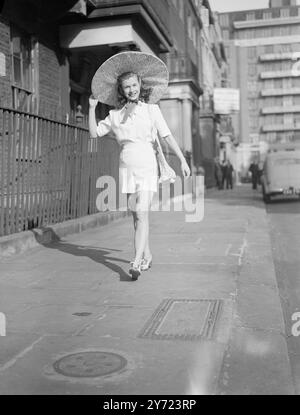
{"points": [[138, 165]]}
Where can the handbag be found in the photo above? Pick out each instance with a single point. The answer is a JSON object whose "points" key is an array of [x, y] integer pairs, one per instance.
{"points": [[165, 171]]}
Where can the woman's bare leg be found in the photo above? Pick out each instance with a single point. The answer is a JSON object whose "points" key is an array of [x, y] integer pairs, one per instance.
{"points": [[140, 207], [134, 225], [147, 251]]}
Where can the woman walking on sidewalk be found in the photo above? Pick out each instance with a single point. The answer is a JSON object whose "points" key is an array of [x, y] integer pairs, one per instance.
{"points": [[133, 82]]}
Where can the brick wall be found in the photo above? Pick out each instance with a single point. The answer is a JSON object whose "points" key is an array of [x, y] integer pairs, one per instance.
{"points": [[5, 88], [49, 79], [52, 71]]}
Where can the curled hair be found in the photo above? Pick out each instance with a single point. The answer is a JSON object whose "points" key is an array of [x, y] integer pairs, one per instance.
{"points": [[144, 92]]}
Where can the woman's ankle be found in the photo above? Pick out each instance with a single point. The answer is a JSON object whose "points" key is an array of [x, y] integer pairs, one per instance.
{"points": [[137, 261], [147, 255]]}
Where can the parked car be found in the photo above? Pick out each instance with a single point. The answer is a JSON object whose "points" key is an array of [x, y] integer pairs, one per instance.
{"points": [[281, 173]]}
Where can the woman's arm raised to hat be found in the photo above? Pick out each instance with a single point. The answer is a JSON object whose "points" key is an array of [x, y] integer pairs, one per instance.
{"points": [[92, 117], [103, 127]]}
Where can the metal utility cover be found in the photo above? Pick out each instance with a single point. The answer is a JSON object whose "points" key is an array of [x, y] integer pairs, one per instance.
{"points": [[89, 364], [183, 319]]}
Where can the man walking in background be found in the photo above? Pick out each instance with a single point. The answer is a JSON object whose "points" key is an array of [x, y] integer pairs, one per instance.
{"points": [[229, 174], [254, 170]]}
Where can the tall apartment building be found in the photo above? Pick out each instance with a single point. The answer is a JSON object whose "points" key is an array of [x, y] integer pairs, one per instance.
{"points": [[263, 52]]}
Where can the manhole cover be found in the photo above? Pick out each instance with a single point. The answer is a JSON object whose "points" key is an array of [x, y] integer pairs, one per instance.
{"points": [[183, 319], [89, 364]]}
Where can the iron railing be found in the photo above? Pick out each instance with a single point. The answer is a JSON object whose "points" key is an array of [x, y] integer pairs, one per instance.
{"points": [[49, 170]]}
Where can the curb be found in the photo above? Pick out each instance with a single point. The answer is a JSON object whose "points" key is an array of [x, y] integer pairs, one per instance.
{"points": [[18, 243], [258, 320]]}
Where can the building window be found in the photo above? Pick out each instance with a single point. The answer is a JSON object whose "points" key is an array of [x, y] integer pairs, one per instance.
{"points": [[22, 70], [267, 15], [296, 100], [253, 123], [225, 34], [269, 49], [278, 83], [252, 70], [252, 52], [252, 86], [253, 104], [287, 101], [250, 16], [288, 119], [284, 12], [286, 48], [224, 20], [269, 84], [287, 83], [267, 32]]}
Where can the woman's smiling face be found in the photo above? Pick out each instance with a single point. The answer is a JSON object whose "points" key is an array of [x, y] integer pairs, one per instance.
{"points": [[131, 88]]}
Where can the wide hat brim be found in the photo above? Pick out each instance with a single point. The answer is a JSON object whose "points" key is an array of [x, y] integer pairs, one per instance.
{"points": [[151, 69]]}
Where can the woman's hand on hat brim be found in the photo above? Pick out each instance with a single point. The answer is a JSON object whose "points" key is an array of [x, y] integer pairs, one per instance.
{"points": [[93, 102]]}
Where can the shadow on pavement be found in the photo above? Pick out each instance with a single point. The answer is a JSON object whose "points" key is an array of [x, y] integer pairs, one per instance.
{"points": [[97, 254]]}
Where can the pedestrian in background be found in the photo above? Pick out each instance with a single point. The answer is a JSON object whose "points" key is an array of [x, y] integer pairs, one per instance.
{"points": [[224, 172], [133, 82], [218, 173], [254, 170], [229, 175]]}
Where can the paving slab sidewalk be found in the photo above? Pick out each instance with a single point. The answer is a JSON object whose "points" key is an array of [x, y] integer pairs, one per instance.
{"points": [[206, 319]]}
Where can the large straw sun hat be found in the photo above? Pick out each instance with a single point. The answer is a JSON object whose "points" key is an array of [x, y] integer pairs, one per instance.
{"points": [[151, 69]]}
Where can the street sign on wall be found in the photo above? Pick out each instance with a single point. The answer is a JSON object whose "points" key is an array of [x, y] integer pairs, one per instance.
{"points": [[226, 100]]}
